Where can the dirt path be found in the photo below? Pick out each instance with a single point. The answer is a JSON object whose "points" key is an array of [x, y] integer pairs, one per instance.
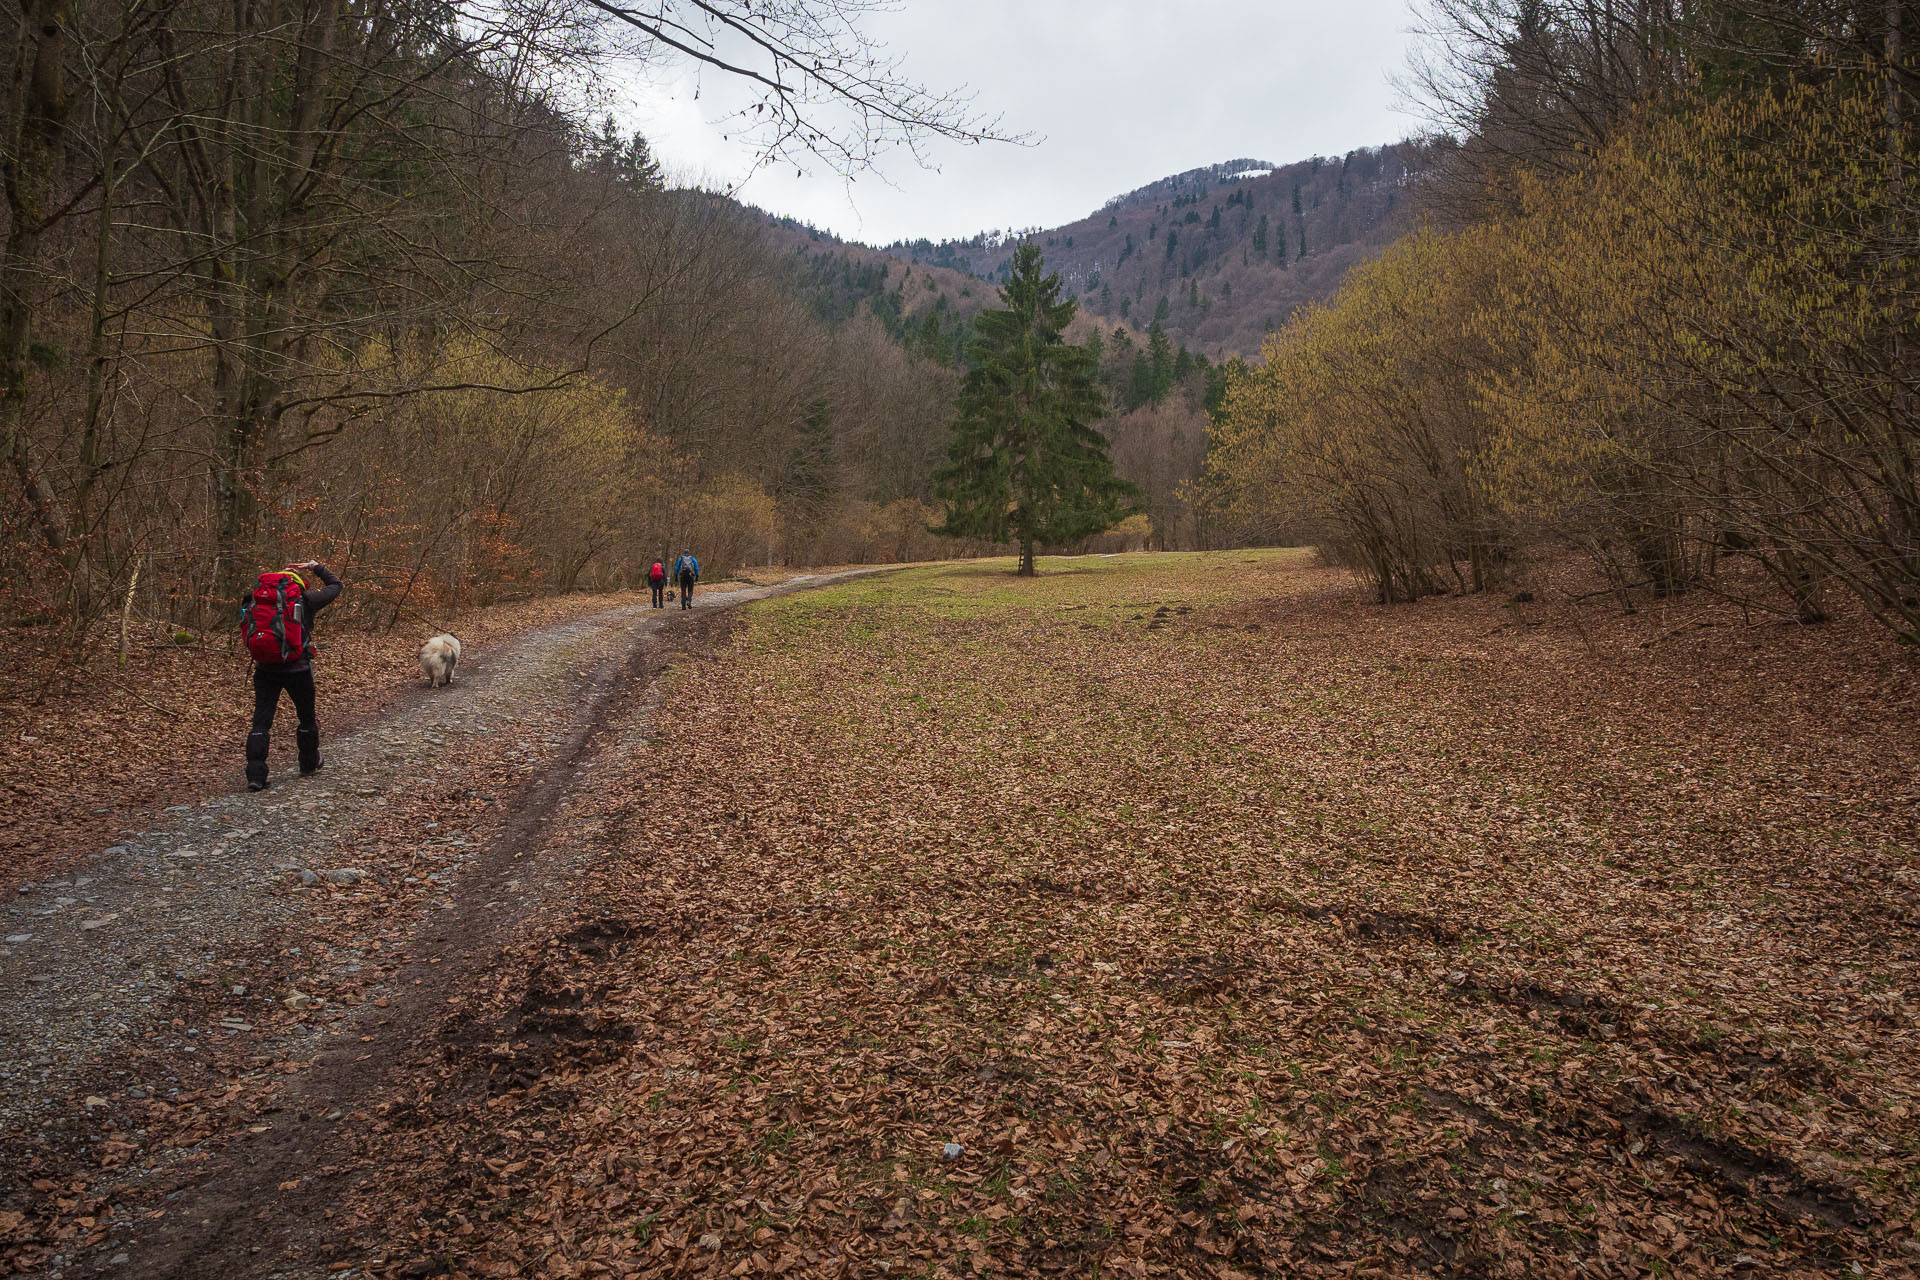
{"points": [[188, 1022]]}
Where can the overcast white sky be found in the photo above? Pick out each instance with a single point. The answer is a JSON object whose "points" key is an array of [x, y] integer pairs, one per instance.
{"points": [[1117, 95]]}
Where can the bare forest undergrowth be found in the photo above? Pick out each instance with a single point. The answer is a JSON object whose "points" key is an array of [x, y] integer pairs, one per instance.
{"points": [[1167, 915]]}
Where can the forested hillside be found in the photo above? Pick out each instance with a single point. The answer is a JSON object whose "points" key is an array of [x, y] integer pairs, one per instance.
{"points": [[1222, 255], [1175, 280], [1164, 368]]}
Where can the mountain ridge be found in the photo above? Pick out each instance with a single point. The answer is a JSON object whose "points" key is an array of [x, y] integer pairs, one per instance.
{"points": [[1220, 254]]}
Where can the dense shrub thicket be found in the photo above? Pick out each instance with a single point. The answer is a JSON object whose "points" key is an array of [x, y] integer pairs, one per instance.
{"points": [[1665, 311]]}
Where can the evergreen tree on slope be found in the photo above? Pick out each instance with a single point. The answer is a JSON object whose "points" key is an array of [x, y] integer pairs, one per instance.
{"points": [[1025, 464]]}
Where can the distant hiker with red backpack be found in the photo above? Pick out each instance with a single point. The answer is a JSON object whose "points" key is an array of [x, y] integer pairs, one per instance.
{"points": [[276, 622], [657, 578]]}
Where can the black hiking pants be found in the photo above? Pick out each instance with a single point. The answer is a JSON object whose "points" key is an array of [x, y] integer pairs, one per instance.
{"points": [[660, 594], [268, 685], [686, 591]]}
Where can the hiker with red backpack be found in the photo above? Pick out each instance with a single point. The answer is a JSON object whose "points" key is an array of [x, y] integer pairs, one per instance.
{"points": [[657, 579], [276, 622]]}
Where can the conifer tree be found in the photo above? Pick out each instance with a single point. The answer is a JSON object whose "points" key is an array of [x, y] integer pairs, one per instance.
{"points": [[1160, 356], [1260, 237], [806, 483], [1140, 388], [931, 343], [1025, 464], [638, 168], [629, 159]]}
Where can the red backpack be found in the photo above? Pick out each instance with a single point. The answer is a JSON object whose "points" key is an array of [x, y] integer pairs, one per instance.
{"points": [[270, 621], [657, 573]]}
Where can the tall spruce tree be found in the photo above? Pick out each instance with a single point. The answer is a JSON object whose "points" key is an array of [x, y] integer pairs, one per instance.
{"points": [[1025, 464], [929, 342], [628, 159], [1160, 355], [1140, 386]]}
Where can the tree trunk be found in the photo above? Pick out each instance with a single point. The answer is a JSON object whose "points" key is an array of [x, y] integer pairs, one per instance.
{"points": [[91, 454], [1026, 558], [235, 482], [37, 115]]}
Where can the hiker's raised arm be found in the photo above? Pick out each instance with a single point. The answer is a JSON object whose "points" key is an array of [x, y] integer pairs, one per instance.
{"points": [[322, 596]]}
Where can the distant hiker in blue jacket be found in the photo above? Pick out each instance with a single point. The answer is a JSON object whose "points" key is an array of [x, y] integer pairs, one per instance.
{"points": [[686, 571]]}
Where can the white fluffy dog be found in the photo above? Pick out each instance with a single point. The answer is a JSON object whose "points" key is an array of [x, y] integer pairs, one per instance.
{"points": [[438, 657]]}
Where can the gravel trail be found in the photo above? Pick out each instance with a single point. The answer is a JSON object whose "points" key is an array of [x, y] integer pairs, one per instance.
{"points": [[267, 946]]}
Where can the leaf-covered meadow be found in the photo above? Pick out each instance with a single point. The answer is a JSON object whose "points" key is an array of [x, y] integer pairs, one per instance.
{"points": [[1188, 915]]}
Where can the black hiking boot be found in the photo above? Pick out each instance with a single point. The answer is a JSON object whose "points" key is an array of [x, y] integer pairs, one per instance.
{"points": [[309, 740], [257, 761]]}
